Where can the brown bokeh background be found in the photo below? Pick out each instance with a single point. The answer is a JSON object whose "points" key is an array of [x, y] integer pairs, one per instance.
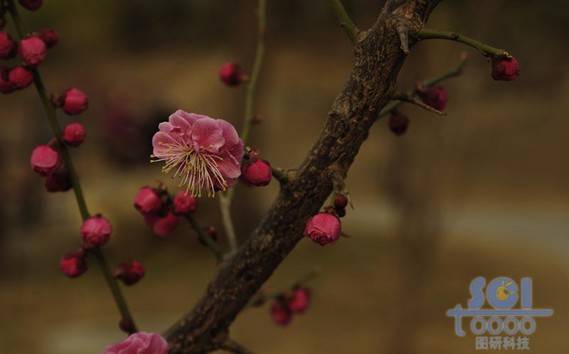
{"points": [[482, 191]]}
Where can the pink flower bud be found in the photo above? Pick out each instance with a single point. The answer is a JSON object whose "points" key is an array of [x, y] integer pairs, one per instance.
{"points": [[129, 272], [505, 69], [95, 231], [323, 228], [434, 96], [31, 5], [299, 301], [44, 159], [20, 77], [140, 343], [184, 203], [49, 36], [147, 200], [58, 181], [32, 50], [280, 312], [7, 46], [398, 123], [231, 74], [73, 264], [73, 101], [162, 226], [257, 172], [6, 86], [74, 134]]}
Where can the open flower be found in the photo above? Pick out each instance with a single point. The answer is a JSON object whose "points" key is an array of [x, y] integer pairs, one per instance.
{"points": [[140, 343], [205, 153]]}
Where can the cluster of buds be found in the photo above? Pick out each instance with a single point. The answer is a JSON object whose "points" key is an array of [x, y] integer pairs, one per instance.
{"points": [[161, 211], [30, 51], [286, 305], [254, 170]]}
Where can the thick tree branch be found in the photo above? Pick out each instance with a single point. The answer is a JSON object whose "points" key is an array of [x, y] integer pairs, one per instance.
{"points": [[378, 59]]}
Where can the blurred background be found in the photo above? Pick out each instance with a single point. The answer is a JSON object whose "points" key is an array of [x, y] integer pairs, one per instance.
{"points": [[480, 192]]}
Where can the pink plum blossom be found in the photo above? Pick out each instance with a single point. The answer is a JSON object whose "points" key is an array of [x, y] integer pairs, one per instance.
{"points": [[205, 153], [140, 343]]}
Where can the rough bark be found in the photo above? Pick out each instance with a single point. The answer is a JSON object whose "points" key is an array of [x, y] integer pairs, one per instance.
{"points": [[378, 58]]}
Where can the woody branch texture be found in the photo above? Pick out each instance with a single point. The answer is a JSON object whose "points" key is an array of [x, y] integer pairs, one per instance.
{"points": [[378, 56]]}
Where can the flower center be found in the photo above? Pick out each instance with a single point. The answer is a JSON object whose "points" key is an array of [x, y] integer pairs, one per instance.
{"points": [[198, 171]]}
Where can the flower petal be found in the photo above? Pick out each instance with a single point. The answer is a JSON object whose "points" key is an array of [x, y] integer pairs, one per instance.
{"points": [[207, 134]]}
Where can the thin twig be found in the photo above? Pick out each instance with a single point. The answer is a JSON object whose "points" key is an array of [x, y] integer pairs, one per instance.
{"points": [[79, 197], [225, 198], [454, 72], [232, 346], [205, 238], [484, 48], [413, 99], [345, 21]]}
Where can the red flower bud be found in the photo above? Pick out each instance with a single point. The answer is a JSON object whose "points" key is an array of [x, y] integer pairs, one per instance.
{"points": [[398, 123], [44, 159], [340, 200], [299, 301], [127, 326], [147, 200], [162, 226], [73, 101], [6, 86], [20, 77], [280, 312], [49, 36], [58, 181], [129, 272], [96, 231], [7, 46], [32, 50], [505, 69], [434, 96], [256, 173], [74, 134], [31, 5], [73, 264], [231, 74], [184, 203], [212, 232], [323, 228]]}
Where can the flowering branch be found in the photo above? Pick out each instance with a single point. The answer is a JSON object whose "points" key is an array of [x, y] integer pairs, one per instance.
{"points": [[79, 197], [345, 21], [484, 48], [378, 59]]}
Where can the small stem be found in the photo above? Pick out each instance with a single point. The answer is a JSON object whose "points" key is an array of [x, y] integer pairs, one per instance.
{"points": [[225, 207], [345, 21], [205, 238], [114, 286], [78, 191], [280, 175], [484, 48], [454, 72], [225, 198], [257, 64]]}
